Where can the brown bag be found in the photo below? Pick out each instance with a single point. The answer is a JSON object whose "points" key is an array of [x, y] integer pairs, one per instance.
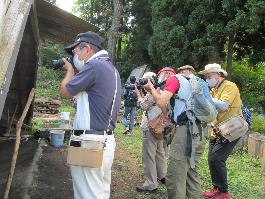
{"points": [[157, 125], [233, 128]]}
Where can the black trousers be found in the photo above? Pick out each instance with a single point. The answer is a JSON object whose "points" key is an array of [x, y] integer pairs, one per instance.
{"points": [[217, 156]]}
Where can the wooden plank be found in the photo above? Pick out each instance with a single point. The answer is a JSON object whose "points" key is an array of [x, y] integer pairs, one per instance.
{"points": [[34, 23], [13, 28], [59, 25], [3, 8]]}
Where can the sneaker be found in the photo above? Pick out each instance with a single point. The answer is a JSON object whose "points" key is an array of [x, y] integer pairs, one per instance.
{"points": [[126, 131], [222, 196], [163, 180], [212, 193], [129, 133]]}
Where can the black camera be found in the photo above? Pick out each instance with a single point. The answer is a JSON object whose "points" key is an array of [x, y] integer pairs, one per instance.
{"points": [[130, 86], [153, 79], [59, 63]]}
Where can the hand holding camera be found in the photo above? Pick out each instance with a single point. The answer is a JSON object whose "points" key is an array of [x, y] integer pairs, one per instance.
{"points": [[67, 65]]}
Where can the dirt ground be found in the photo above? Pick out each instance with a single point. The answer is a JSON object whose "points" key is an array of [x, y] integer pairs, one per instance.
{"points": [[47, 175], [25, 158]]}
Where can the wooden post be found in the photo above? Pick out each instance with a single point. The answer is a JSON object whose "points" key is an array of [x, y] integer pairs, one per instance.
{"points": [[256, 144], [16, 147], [263, 160]]}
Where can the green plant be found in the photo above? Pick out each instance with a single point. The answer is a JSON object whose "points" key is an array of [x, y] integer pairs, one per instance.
{"points": [[245, 177], [258, 124], [251, 82], [37, 124]]}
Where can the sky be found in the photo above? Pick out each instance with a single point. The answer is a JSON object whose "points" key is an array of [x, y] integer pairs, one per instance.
{"points": [[65, 4]]}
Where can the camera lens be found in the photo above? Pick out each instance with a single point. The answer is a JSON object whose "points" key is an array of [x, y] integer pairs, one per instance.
{"points": [[143, 81], [57, 63]]}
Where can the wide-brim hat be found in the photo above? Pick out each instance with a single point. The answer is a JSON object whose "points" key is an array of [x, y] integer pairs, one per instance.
{"points": [[88, 37], [213, 68], [186, 67], [166, 69]]}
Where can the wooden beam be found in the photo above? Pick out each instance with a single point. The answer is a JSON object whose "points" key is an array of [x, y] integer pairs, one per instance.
{"points": [[34, 23], [13, 28]]}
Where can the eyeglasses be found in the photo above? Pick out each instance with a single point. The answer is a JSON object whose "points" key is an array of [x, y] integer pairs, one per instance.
{"points": [[75, 49], [78, 48]]}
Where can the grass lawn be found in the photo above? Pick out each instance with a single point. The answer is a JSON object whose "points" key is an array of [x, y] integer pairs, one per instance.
{"points": [[246, 179]]}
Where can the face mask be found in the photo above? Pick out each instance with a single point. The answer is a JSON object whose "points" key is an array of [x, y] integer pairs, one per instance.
{"points": [[79, 64], [211, 82], [162, 78]]}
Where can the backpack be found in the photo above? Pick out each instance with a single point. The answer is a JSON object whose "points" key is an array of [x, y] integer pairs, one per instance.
{"points": [[247, 115], [199, 104], [130, 98]]}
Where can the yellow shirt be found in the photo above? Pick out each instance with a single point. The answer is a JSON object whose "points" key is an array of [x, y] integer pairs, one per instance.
{"points": [[229, 93]]}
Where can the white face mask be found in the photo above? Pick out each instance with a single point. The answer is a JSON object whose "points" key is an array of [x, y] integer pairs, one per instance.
{"points": [[211, 82], [162, 78], [79, 64]]}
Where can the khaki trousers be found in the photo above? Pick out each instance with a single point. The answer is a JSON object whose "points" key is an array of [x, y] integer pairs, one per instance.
{"points": [[182, 181], [154, 161]]}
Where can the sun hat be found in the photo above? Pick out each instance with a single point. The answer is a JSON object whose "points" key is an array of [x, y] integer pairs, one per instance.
{"points": [[186, 67], [213, 68]]}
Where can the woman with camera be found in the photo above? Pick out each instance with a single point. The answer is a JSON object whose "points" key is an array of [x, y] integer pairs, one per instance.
{"points": [[154, 161]]}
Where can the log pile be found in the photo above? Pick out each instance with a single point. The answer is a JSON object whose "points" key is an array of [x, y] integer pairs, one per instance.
{"points": [[47, 106]]}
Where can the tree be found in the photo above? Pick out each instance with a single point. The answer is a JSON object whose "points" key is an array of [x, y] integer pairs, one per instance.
{"points": [[115, 28], [96, 12], [199, 32]]}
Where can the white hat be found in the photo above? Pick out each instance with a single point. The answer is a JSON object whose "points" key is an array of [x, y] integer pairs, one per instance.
{"points": [[149, 75], [213, 68]]}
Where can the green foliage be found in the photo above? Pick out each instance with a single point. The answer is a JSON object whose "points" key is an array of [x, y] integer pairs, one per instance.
{"points": [[258, 124], [48, 83], [246, 180], [99, 13], [251, 83], [36, 125], [50, 51], [196, 32]]}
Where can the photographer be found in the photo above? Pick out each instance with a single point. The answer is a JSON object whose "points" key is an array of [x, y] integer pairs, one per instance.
{"points": [[130, 104], [153, 157], [182, 180], [98, 103], [226, 98]]}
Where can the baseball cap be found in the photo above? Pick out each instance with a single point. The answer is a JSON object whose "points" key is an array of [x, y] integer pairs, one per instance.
{"points": [[88, 37]]}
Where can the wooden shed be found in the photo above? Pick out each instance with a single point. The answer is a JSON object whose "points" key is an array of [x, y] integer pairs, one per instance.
{"points": [[25, 24]]}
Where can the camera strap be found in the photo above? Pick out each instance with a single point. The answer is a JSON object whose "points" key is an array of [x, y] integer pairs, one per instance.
{"points": [[114, 98]]}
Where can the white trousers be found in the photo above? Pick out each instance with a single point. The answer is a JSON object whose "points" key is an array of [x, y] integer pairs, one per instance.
{"points": [[94, 183]]}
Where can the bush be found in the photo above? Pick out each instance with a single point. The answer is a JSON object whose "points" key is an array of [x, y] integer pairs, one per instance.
{"points": [[48, 83], [251, 82], [258, 125]]}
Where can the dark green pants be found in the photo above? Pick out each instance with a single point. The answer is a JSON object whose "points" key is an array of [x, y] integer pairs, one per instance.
{"points": [[182, 181]]}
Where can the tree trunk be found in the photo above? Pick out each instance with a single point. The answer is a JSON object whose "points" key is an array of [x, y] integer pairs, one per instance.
{"points": [[230, 45], [119, 48], [214, 56], [114, 30]]}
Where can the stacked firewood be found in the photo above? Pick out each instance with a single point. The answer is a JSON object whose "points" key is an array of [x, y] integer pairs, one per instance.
{"points": [[47, 106]]}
